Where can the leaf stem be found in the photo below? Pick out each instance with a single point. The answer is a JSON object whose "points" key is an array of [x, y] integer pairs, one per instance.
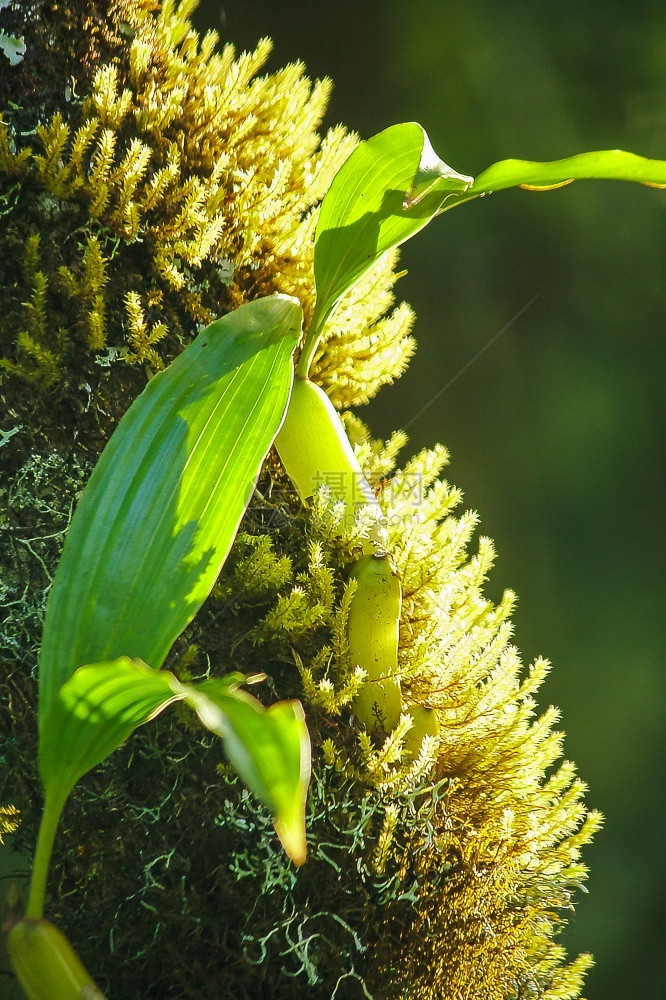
{"points": [[311, 342], [315, 451], [53, 807]]}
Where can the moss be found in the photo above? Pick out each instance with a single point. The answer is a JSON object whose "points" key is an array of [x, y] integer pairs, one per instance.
{"points": [[173, 185], [190, 183], [9, 820]]}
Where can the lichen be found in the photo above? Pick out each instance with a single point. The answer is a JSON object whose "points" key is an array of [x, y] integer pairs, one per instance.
{"points": [[173, 186], [11, 47]]}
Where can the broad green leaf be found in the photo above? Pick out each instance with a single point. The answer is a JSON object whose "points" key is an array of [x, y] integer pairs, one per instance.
{"points": [[93, 713], [394, 184], [102, 704], [160, 512], [608, 164], [387, 190]]}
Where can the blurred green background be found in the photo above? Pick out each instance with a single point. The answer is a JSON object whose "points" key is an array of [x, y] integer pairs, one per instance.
{"points": [[557, 431]]}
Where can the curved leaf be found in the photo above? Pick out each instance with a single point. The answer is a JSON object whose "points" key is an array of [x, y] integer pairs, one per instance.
{"points": [[388, 189], [393, 184], [102, 704], [608, 164], [161, 509], [270, 750]]}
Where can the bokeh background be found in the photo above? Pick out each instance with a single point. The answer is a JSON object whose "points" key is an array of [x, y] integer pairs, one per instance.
{"points": [[557, 431]]}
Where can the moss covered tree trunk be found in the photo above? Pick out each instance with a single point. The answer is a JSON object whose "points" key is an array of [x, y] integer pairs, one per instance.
{"points": [[149, 182]]}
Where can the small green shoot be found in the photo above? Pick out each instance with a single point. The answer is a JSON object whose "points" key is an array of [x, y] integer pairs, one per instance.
{"points": [[386, 191], [102, 704]]}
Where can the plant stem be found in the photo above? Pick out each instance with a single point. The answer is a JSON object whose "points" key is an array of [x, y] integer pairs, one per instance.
{"points": [[53, 807], [316, 451], [311, 342]]}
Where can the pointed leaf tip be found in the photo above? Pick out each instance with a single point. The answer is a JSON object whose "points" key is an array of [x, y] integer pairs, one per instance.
{"points": [[270, 750], [290, 820], [102, 704]]}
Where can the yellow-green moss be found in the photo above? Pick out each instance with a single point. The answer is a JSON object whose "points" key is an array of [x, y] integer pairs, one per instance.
{"points": [[9, 820], [195, 182]]}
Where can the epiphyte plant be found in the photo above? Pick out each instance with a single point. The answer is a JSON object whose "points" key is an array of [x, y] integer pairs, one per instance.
{"points": [[163, 504], [161, 510], [157, 505]]}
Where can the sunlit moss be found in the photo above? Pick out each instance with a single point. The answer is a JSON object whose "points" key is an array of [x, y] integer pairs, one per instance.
{"points": [[365, 345], [196, 182], [177, 185]]}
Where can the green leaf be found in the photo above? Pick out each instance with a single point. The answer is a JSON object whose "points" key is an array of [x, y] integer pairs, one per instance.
{"points": [[609, 164], [93, 713], [270, 750], [387, 190], [160, 512], [394, 184], [102, 704]]}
